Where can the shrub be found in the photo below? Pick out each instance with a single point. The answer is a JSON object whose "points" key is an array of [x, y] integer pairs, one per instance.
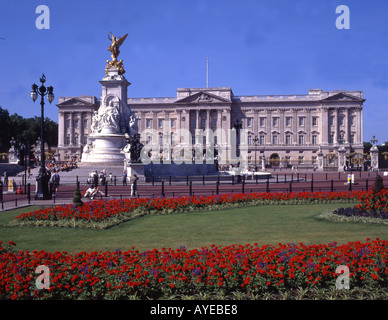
{"points": [[77, 198]]}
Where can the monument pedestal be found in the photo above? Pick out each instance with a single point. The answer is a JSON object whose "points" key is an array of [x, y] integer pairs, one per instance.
{"points": [[107, 148], [135, 168]]}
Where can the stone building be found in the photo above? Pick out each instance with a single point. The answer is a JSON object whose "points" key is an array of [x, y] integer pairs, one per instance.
{"points": [[282, 130]]}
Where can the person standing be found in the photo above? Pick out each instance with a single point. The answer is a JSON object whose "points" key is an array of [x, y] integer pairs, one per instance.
{"points": [[95, 178], [124, 178], [55, 179], [133, 181]]}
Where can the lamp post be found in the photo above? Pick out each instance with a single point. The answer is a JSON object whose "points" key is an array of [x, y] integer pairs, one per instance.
{"points": [[238, 126], [42, 179]]}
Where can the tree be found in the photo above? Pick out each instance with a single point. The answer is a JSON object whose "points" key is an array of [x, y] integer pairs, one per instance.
{"points": [[77, 198], [5, 130], [25, 130]]}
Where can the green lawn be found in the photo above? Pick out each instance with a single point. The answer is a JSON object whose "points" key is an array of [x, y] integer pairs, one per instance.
{"points": [[262, 225]]}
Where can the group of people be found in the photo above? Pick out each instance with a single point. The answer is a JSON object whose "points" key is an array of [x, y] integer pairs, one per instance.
{"points": [[61, 166], [95, 179], [98, 178]]}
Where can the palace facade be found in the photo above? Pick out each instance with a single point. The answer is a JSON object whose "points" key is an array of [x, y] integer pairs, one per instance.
{"points": [[281, 129]]}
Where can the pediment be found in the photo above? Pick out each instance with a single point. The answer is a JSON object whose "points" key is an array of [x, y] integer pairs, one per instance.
{"points": [[75, 102], [203, 97], [342, 96]]}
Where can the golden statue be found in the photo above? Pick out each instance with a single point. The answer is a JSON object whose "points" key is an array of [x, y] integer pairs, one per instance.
{"points": [[114, 48]]}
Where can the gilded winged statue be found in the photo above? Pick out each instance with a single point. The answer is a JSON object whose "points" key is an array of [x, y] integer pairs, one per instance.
{"points": [[114, 46], [116, 42]]}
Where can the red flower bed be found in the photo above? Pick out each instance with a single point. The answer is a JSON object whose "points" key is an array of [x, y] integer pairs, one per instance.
{"points": [[98, 211], [245, 268]]}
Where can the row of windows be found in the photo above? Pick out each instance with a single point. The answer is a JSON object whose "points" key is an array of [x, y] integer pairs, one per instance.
{"points": [[341, 120], [287, 160], [260, 140], [288, 121], [76, 139], [288, 140], [76, 123]]}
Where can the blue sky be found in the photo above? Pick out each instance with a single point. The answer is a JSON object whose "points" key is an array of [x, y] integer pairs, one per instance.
{"points": [[254, 47]]}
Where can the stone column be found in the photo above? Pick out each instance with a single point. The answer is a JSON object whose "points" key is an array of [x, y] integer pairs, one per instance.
{"points": [[308, 127], [81, 130], [268, 128], [71, 128], [324, 126], [61, 129], [336, 131], [295, 126], [346, 124], [281, 126], [359, 126]]}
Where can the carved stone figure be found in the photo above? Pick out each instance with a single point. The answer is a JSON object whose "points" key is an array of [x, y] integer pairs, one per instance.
{"points": [[132, 125], [96, 123], [110, 116]]}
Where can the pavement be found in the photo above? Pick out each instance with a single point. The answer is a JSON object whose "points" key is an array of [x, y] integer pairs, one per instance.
{"points": [[281, 181]]}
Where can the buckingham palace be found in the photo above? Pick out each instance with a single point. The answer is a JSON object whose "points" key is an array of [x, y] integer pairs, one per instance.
{"points": [[282, 130]]}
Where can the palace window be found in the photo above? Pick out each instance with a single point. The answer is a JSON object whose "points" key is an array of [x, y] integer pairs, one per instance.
{"points": [[148, 123], [68, 139], [76, 124], [315, 139], [352, 120], [315, 121], [173, 123], [275, 121], [249, 140], [341, 121], [275, 139], [301, 139], [249, 122], [352, 138], [161, 139], [301, 121], [76, 139], [331, 121], [85, 139], [288, 121], [160, 123], [85, 123], [288, 139], [262, 122], [331, 138], [262, 140], [67, 123]]}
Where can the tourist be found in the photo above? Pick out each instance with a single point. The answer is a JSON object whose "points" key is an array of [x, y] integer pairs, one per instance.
{"points": [[55, 179], [133, 181], [110, 178], [92, 192], [95, 177], [89, 191], [124, 178]]}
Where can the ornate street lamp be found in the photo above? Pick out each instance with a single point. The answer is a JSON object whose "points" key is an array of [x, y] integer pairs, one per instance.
{"points": [[238, 126], [42, 179]]}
